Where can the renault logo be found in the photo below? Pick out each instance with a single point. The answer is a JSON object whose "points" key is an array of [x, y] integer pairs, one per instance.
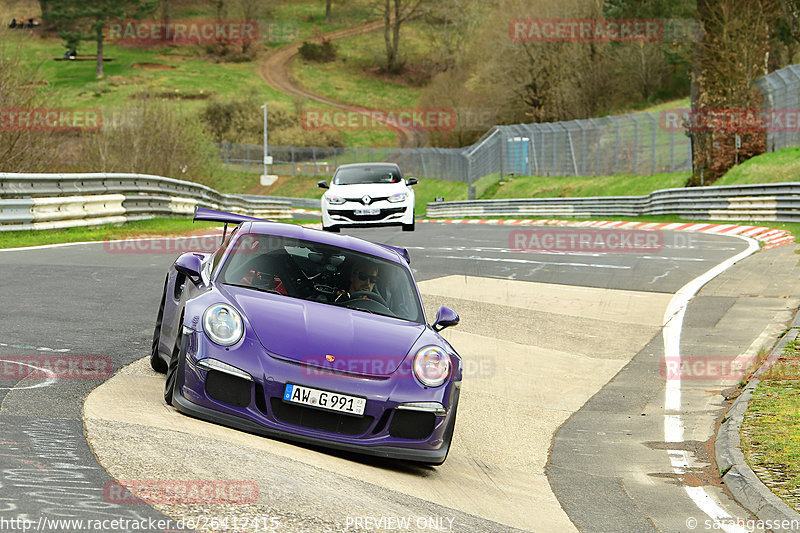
{"points": [[366, 199]]}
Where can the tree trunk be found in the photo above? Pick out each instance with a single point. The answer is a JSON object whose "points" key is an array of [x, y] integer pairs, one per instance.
{"points": [[166, 13], [44, 6], [328, 10], [387, 35], [99, 52], [697, 138], [394, 68]]}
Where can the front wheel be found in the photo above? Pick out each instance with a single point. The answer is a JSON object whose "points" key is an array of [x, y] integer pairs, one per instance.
{"points": [[447, 439], [171, 383], [410, 227], [156, 362]]}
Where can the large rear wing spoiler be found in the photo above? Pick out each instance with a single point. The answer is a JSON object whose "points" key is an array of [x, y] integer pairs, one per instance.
{"points": [[210, 215], [402, 251]]}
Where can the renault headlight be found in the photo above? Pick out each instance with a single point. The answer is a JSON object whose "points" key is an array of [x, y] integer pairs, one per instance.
{"points": [[223, 324], [334, 200], [398, 197], [432, 365]]}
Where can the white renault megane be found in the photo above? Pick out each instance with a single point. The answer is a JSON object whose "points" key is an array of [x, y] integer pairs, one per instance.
{"points": [[368, 194]]}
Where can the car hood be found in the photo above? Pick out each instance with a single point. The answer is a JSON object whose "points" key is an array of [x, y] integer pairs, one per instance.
{"points": [[313, 333], [375, 190]]}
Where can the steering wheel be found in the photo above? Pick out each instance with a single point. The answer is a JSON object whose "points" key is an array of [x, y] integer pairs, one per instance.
{"points": [[370, 296]]}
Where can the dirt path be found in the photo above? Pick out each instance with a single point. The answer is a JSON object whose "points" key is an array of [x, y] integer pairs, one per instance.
{"points": [[275, 70]]}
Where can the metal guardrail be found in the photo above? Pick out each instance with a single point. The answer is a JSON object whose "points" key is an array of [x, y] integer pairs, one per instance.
{"points": [[50, 201], [779, 202], [304, 203]]}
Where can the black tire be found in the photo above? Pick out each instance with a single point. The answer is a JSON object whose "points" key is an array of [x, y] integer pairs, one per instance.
{"points": [[171, 383], [332, 229], [410, 227], [156, 362], [448, 437]]}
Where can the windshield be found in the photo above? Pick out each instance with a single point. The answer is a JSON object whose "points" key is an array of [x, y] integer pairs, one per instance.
{"points": [[327, 274], [357, 175]]}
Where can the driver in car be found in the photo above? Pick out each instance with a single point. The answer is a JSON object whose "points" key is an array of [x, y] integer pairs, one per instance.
{"points": [[363, 278]]}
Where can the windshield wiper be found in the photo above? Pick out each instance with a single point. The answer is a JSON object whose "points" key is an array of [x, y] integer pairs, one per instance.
{"points": [[370, 311]]}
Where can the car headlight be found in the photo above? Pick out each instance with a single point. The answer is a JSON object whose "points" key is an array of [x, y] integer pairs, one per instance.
{"points": [[334, 200], [398, 197], [223, 324], [432, 365]]}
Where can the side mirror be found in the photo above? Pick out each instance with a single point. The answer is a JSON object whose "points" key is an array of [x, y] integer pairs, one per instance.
{"points": [[445, 317], [322, 184], [190, 266], [412, 181]]}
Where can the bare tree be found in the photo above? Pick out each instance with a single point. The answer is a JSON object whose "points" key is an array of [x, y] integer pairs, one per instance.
{"points": [[539, 81], [450, 27], [220, 6], [791, 10], [79, 21], [730, 55], [395, 13], [22, 148]]}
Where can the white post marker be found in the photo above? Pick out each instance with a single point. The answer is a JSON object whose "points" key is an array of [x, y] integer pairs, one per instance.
{"points": [[266, 178]]}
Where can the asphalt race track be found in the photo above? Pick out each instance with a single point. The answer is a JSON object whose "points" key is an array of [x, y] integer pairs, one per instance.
{"points": [[568, 420]]}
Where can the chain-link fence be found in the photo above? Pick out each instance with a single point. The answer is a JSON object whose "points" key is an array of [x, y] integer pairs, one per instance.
{"points": [[782, 96], [641, 143], [636, 143], [439, 163], [627, 144]]}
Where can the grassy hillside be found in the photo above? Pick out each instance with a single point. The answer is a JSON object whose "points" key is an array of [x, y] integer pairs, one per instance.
{"points": [[178, 74], [185, 75], [775, 167], [619, 185]]}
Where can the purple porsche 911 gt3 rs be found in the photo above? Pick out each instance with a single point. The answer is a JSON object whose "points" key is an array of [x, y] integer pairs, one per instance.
{"points": [[300, 334]]}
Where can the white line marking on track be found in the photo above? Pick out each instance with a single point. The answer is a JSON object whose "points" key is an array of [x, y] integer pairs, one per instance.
{"points": [[37, 348], [673, 423], [51, 376], [526, 261]]}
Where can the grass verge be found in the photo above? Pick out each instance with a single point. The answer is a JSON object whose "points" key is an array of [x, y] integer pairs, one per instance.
{"points": [[425, 191], [771, 427], [775, 167], [573, 186]]}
